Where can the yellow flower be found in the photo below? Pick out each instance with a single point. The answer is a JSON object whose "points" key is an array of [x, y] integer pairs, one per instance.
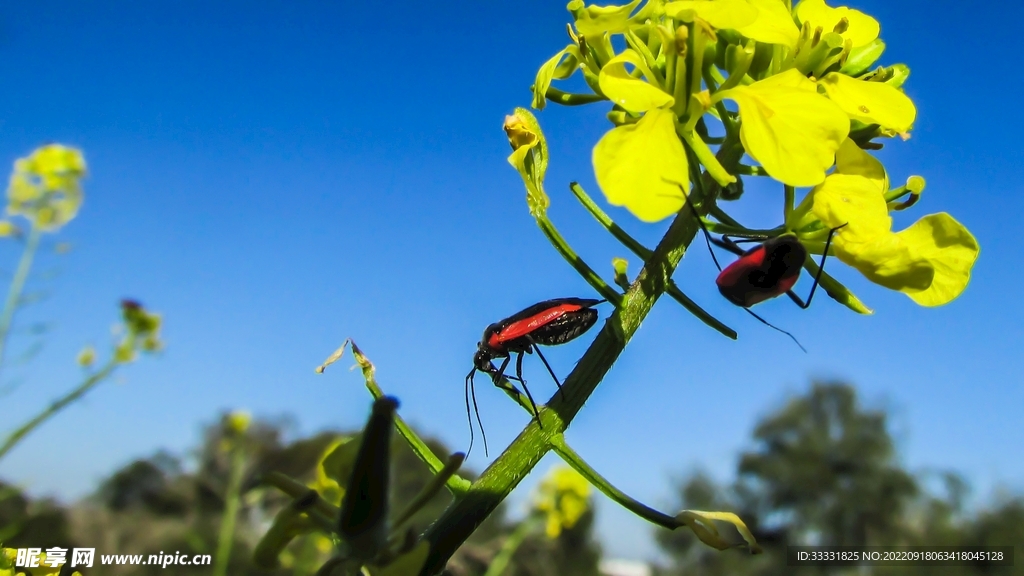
{"points": [[871, 102], [788, 127], [860, 29], [563, 497], [529, 156], [237, 422], [86, 357], [640, 165], [930, 261], [45, 186]]}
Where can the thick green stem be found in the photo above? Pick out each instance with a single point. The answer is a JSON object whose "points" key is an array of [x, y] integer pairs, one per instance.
{"points": [[17, 285], [57, 406], [232, 501], [461, 518], [618, 496]]}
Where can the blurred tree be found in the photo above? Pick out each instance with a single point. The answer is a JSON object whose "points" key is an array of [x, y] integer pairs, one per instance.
{"points": [[823, 470]]}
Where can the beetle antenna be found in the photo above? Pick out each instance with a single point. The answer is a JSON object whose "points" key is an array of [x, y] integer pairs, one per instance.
{"points": [[774, 327], [471, 390], [707, 236]]}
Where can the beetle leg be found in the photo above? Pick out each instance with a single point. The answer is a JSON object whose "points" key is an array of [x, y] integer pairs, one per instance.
{"points": [[519, 373], [550, 371], [817, 277]]}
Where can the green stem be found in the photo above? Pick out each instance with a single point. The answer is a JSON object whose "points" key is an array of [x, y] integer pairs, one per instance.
{"points": [[17, 285], [706, 157], [508, 548], [457, 485], [751, 170], [321, 512], [643, 252], [569, 99], [652, 63], [429, 491], [233, 499], [618, 496], [592, 278], [787, 210], [57, 406], [461, 518]]}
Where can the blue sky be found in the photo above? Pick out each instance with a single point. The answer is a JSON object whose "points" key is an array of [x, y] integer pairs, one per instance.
{"points": [[274, 178]]}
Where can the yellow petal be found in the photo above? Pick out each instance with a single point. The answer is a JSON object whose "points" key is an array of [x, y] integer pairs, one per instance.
{"points": [[887, 261], [632, 94], [554, 68], [950, 249], [789, 128], [853, 201], [641, 166], [871, 102], [774, 24], [596, 20], [861, 28], [719, 13], [852, 160]]}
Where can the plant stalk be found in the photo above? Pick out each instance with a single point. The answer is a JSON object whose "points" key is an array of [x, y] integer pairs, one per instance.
{"points": [[464, 515]]}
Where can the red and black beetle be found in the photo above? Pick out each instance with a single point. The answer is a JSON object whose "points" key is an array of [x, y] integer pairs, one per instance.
{"points": [[546, 323], [765, 271]]}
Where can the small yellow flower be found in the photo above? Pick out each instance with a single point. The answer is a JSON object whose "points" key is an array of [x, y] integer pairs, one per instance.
{"points": [[237, 422], [563, 497], [791, 129], [930, 261], [860, 29], [871, 102], [86, 357], [7, 228], [45, 186]]}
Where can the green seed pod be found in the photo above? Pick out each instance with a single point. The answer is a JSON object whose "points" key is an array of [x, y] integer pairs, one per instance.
{"points": [[364, 510]]}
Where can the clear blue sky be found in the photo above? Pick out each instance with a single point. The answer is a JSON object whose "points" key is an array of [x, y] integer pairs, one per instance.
{"points": [[274, 178]]}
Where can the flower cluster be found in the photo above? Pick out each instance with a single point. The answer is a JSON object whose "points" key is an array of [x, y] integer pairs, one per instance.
{"points": [[45, 188], [792, 88], [562, 497]]}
